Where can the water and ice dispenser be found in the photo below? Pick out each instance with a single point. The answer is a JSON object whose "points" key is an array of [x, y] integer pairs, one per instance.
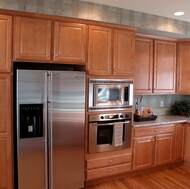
{"points": [[31, 120]]}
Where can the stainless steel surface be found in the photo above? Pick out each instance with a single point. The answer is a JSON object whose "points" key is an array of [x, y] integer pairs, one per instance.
{"points": [[119, 104], [108, 120], [56, 160]]}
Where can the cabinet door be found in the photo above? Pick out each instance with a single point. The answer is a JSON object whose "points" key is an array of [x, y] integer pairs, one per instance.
{"points": [[32, 39], [164, 148], [100, 51], [179, 142], [6, 168], [144, 148], [70, 42], [164, 67], [187, 144], [5, 43], [123, 62], [143, 66], [183, 68]]}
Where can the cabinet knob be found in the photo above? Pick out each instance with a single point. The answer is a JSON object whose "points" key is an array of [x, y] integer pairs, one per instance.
{"points": [[110, 171], [155, 130], [110, 161]]}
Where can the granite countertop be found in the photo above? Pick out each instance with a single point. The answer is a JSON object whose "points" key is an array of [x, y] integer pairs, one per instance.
{"points": [[162, 120]]}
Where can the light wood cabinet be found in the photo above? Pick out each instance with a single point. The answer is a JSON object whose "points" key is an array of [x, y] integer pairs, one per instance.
{"points": [[143, 76], [187, 144], [153, 146], [32, 39], [70, 42], [183, 68], [100, 50], [123, 55], [6, 158], [155, 66], [103, 42], [179, 142], [107, 166], [164, 67], [5, 43]]}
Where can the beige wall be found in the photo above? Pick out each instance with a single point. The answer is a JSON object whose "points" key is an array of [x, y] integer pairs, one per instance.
{"points": [[79, 9]]}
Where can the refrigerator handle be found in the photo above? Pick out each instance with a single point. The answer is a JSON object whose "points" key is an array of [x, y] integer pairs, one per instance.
{"points": [[46, 132], [50, 130]]}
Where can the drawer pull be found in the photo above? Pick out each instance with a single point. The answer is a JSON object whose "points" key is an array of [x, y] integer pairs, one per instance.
{"points": [[110, 171], [155, 130], [110, 161]]}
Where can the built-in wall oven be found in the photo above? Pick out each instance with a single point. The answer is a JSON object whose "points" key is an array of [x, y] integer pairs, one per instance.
{"points": [[108, 132]]}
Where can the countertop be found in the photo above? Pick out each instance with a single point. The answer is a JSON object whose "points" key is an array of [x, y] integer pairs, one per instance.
{"points": [[163, 120]]}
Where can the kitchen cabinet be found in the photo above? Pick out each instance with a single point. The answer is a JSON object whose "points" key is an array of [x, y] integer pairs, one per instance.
{"points": [[143, 76], [32, 39], [100, 50], [153, 146], [103, 42], [6, 159], [107, 166], [179, 142], [164, 67], [70, 42], [187, 144], [183, 68], [155, 66], [6, 43]]}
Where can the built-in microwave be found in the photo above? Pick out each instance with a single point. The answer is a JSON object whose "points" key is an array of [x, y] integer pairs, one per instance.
{"points": [[110, 94]]}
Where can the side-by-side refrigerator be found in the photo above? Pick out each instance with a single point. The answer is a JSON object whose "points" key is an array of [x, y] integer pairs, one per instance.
{"points": [[50, 114]]}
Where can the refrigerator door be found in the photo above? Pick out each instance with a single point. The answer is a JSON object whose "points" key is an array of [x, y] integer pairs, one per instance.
{"points": [[67, 140], [31, 134]]}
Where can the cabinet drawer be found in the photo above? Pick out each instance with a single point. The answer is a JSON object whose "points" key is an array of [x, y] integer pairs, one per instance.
{"points": [[108, 171], [144, 131], [108, 161]]}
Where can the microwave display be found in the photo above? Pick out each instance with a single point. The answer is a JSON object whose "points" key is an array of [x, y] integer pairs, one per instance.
{"points": [[110, 94]]}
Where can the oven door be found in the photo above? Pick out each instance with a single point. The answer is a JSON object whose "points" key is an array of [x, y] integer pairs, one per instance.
{"points": [[101, 136]]}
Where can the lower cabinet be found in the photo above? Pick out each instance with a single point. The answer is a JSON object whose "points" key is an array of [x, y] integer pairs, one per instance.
{"points": [[108, 166], [153, 146], [6, 161], [187, 144]]}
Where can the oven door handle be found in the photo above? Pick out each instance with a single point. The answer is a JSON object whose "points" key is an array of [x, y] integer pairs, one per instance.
{"points": [[108, 124], [105, 124]]}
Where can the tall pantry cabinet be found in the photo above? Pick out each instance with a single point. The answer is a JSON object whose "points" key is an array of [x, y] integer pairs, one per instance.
{"points": [[6, 177]]}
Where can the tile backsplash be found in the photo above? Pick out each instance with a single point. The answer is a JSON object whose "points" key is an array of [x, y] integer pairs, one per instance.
{"points": [[160, 104]]}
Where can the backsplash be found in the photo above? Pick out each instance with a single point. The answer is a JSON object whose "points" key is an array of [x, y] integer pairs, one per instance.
{"points": [[156, 101]]}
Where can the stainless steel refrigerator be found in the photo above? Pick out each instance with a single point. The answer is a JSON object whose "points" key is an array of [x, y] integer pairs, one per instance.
{"points": [[50, 114]]}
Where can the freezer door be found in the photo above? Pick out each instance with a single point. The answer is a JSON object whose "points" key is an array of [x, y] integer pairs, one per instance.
{"points": [[31, 134], [68, 112]]}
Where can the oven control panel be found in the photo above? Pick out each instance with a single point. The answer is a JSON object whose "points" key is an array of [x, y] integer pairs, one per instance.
{"points": [[108, 117]]}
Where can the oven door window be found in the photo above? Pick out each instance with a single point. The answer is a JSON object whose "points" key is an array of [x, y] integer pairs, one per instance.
{"points": [[104, 135]]}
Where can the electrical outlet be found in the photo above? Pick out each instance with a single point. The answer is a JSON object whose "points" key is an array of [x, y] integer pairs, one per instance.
{"points": [[161, 103]]}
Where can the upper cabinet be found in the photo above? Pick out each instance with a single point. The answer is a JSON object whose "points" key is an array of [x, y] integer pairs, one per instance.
{"points": [[100, 50], [69, 42], [143, 65], [164, 67], [155, 66], [32, 39], [103, 42], [183, 68], [5, 43]]}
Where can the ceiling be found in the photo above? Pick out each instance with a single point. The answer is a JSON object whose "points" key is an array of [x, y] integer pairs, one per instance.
{"points": [[164, 8]]}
